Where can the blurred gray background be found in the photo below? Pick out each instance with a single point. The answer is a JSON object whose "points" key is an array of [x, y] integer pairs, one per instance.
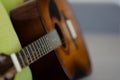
{"points": [[99, 22]]}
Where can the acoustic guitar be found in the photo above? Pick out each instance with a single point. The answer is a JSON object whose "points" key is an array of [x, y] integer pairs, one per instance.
{"points": [[53, 47]]}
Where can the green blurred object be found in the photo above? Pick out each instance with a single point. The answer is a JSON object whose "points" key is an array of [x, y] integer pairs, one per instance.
{"points": [[10, 4], [9, 42]]}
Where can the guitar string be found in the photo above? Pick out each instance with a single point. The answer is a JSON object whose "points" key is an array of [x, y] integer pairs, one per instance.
{"points": [[21, 59], [47, 44], [40, 47], [28, 51], [44, 42], [37, 49], [34, 51], [26, 59]]}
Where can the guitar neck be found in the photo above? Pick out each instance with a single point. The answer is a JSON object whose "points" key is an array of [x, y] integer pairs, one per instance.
{"points": [[38, 49]]}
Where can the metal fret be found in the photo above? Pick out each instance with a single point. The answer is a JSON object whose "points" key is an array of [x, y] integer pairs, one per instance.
{"points": [[25, 57], [35, 51], [39, 48], [45, 45], [21, 59], [28, 54], [32, 52]]}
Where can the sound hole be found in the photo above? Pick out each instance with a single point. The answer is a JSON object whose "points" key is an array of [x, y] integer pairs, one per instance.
{"points": [[60, 35], [54, 10]]}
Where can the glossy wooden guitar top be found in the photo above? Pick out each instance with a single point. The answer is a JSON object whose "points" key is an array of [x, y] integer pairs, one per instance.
{"points": [[39, 17]]}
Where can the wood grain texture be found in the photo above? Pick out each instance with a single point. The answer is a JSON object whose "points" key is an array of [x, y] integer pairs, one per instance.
{"points": [[39, 17]]}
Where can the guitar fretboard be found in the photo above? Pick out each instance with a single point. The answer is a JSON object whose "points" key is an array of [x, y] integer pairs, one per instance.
{"points": [[38, 48]]}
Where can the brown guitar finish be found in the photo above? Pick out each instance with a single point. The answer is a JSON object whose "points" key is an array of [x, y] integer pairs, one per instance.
{"points": [[39, 17]]}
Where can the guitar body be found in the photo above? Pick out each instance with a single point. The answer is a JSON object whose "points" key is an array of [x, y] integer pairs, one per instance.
{"points": [[36, 18]]}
